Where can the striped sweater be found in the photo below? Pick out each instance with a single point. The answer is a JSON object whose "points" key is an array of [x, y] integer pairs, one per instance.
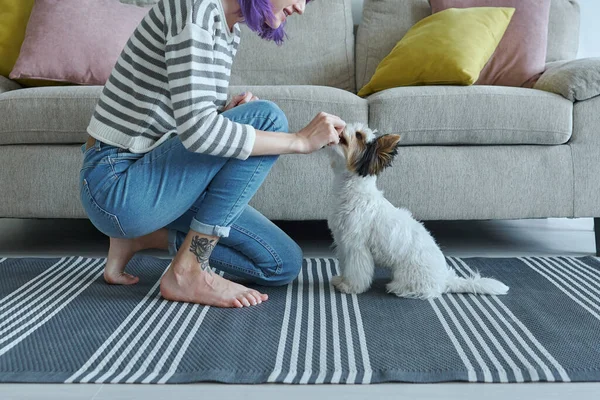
{"points": [[171, 79]]}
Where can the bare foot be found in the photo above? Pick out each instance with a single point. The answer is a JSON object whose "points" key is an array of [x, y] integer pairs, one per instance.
{"points": [[193, 285], [122, 250], [191, 279]]}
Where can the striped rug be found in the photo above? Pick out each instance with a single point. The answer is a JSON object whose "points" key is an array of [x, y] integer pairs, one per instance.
{"points": [[60, 323]]}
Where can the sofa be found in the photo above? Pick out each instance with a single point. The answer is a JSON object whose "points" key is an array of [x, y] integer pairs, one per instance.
{"points": [[468, 152]]}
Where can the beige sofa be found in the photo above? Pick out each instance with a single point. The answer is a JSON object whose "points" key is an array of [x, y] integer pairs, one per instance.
{"points": [[478, 152]]}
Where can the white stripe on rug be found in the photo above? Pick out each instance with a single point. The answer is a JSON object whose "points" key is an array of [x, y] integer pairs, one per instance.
{"points": [[574, 267], [322, 328], [573, 277], [142, 348], [38, 280], [337, 363], [173, 368], [131, 343], [121, 342], [549, 375], [2, 260], [515, 369], [363, 341], [167, 334], [588, 270], [501, 371], [158, 368], [349, 339], [467, 271], [297, 328], [158, 346], [487, 375], [55, 298], [283, 336], [117, 333], [56, 311], [44, 294], [472, 375], [310, 327], [559, 283]]}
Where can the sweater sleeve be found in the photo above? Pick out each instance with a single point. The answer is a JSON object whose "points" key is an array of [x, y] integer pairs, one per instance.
{"points": [[193, 81]]}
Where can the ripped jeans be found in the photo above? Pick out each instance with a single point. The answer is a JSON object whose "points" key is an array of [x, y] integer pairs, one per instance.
{"points": [[128, 195]]}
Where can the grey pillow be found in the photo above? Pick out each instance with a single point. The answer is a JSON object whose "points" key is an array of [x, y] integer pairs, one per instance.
{"points": [[6, 85], [575, 80]]}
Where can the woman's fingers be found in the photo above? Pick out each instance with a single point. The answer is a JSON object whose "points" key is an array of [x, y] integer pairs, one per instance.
{"points": [[245, 97]]}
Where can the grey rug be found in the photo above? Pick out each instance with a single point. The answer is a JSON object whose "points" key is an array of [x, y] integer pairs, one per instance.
{"points": [[60, 323]]}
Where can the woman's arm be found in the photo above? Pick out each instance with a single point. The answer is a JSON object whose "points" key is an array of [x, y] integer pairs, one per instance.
{"points": [[323, 130]]}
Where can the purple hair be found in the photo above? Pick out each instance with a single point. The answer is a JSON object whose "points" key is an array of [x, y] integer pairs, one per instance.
{"points": [[256, 13]]}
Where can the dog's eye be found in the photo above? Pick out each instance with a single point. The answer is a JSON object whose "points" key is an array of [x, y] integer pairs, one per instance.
{"points": [[359, 135]]}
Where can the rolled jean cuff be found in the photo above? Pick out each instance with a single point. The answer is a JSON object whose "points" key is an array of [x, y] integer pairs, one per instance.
{"points": [[212, 230], [172, 242]]}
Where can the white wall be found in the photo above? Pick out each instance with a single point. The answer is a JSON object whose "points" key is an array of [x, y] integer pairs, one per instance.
{"points": [[589, 36], [589, 42]]}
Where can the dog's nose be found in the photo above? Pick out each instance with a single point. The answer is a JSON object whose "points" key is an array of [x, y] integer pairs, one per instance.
{"points": [[343, 140]]}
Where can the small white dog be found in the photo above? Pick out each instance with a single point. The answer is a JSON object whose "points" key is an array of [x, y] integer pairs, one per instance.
{"points": [[368, 230]]}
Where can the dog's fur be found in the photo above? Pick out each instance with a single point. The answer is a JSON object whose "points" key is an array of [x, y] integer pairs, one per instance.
{"points": [[368, 230]]}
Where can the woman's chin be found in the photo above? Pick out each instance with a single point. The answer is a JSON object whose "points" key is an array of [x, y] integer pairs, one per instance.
{"points": [[274, 24]]}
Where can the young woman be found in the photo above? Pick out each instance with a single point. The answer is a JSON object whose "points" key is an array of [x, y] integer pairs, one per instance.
{"points": [[170, 165]]}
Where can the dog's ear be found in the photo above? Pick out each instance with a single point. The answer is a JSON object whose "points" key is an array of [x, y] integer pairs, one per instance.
{"points": [[378, 155]]}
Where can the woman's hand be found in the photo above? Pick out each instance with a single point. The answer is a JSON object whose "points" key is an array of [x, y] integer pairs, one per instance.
{"points": [[323, 130], [240, 99]]}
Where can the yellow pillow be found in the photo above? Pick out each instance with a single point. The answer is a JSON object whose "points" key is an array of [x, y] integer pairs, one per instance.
{"points": [[448, 47], [13, 22]]}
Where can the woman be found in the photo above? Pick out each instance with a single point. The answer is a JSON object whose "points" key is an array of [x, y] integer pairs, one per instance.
{"points": [[169, 165]]}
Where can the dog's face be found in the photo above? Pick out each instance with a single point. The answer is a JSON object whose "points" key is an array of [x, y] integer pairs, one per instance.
{"points": [[361, 152]]}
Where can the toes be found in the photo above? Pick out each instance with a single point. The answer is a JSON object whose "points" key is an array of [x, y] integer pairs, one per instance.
{"points": [[251, 298], [260, 296], [256, 296], [121, 279], [244, 300], [237, 303]]}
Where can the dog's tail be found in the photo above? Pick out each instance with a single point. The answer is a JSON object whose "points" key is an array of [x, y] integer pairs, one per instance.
{"points": [[475, 284]]}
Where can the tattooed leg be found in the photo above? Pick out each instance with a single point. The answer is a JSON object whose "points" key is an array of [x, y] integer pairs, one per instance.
{"points": [[191, 279], [202, 247]]}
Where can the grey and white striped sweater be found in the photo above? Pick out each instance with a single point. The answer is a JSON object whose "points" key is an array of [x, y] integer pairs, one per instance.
{"points": [[171, 79]]}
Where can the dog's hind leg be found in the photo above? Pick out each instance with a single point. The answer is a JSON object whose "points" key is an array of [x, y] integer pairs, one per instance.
{"points": [[357, 269], [410, 279]]}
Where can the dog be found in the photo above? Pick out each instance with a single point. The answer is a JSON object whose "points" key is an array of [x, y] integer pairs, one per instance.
{"points": [[368, 230]]}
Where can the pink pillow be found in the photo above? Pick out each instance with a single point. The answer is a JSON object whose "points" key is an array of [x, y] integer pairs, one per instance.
{"points": [[76, 41], [520, 58]]}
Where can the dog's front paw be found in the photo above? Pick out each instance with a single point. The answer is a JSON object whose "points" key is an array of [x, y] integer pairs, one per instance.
{"points": [[340, 283]]}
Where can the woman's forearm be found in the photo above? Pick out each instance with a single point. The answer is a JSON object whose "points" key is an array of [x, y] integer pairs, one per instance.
{"points": [[272, 143]]}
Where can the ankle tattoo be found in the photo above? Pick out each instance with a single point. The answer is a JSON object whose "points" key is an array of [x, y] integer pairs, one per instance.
{"points": [[202, 247]]}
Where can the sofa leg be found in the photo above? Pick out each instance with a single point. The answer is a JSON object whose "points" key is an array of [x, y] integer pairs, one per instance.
{"points": [[597, 234]]}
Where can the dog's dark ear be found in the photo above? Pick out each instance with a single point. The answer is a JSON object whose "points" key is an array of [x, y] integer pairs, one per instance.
{"points": [[378, 155]]}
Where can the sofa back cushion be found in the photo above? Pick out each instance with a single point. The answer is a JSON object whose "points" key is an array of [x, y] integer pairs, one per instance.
{"points": [[385, 22], [319, 49]]}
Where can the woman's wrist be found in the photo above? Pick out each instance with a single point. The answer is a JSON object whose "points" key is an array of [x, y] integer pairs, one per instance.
{"points": [[298, 144]]}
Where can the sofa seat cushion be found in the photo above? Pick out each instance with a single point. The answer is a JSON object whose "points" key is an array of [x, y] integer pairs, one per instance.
{"points": [[52, 115], [486, 115]]}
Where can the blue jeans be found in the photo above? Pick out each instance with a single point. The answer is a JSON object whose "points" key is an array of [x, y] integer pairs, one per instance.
{"points": [[128, 195]]}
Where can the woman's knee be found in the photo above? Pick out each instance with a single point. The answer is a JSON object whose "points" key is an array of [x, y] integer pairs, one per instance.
{"points": [[274, 114], [290, 267]]}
